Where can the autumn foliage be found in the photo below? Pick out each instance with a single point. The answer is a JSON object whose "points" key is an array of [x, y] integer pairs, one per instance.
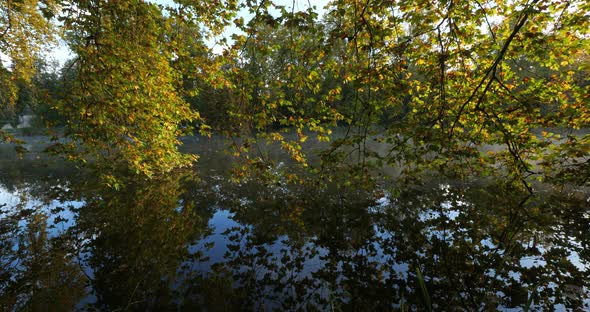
{"points": [[434, 82]]}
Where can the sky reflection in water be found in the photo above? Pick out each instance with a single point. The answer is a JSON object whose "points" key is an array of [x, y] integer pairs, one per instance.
{"points": [[196, 242]]}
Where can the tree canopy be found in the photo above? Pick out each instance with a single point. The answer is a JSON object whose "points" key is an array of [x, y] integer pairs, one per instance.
{"points": [[433, 82]]}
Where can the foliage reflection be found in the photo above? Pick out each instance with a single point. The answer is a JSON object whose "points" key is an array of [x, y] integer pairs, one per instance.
{"points": [[181, 242]]}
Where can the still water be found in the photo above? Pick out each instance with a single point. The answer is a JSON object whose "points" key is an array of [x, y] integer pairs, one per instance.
{"points": [[200, 240]]}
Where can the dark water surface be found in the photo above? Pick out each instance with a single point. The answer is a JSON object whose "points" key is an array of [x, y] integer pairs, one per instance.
{"points": [[198, 241]]}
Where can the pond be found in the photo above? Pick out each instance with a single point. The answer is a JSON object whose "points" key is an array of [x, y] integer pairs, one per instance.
{"points": [[201, 240]]}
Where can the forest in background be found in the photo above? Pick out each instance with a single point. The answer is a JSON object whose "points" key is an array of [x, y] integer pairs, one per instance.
{"points": [[433, 80]]}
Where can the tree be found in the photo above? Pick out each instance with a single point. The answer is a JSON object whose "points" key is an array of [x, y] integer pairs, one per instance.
{"points": [[434, 81], [457, 62], [125, 108], [276, 82], [25, 27]]}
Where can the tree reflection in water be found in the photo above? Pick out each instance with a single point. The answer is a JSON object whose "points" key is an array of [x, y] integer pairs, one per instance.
{"points": [[183, 243]]}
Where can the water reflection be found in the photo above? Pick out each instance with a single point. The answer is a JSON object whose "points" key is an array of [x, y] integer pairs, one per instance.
{"points": [[190, 243], [36, 268]]}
